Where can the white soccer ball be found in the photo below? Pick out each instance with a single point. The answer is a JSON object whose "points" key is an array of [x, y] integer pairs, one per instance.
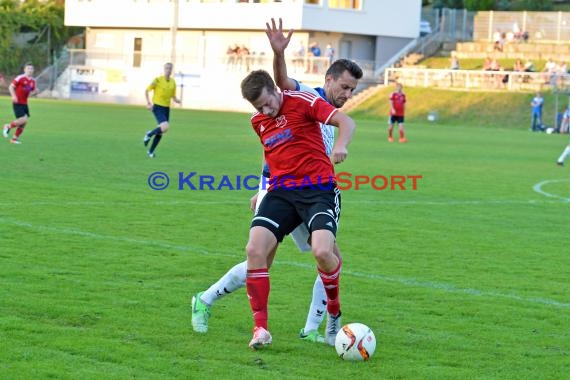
{"points": [[355, 341], [550, 130]]}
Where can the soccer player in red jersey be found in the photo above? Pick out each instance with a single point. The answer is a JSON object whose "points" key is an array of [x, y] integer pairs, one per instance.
{"points": [[397, 105], [302, 188], [20, 89]]}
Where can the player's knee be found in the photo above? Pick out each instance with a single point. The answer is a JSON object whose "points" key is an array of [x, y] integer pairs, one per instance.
{"points": [[255, 251], [164, 127]]}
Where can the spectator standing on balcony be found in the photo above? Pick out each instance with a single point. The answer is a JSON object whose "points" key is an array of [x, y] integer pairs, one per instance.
{"points": [[329, 53], [20, 89], [315, 51], [397, 105], [536, 104], [299, 54]]}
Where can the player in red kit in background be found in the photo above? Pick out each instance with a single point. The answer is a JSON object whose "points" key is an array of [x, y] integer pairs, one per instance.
{"points": [[20, 89], [397, 105]]}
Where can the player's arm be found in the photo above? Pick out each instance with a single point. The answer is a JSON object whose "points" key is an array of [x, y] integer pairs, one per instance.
{"points": [[12, 90], [147, 97], [346, 127], [279, 43]]}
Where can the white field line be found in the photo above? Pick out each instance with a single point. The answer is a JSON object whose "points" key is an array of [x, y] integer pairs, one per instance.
{"points": [[187, 248], [245, 202], [538, 189]]}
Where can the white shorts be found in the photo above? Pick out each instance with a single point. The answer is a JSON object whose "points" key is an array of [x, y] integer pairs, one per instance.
{"points": [[300, 234]]}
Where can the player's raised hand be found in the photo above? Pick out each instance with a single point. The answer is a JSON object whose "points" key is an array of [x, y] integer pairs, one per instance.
{"points": [[276, 37]]}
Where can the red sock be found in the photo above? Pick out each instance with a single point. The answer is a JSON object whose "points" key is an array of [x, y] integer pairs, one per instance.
{"points": [[401, 133], [331, 281], [257, 285], [19, 131]]}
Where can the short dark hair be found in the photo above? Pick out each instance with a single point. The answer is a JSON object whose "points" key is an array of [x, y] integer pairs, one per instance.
{"points": [[341, 65], [252, 85]]}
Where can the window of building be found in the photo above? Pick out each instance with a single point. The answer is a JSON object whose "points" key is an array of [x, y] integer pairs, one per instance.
{"points": [[137, 52], [345, 4]]}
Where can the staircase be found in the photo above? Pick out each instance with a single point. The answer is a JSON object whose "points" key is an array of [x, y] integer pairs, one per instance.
{"points": [[361, 97]]}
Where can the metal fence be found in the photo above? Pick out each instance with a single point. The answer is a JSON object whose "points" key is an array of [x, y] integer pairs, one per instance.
{"points": [[452, 24], [539, 26], [479, 79]]}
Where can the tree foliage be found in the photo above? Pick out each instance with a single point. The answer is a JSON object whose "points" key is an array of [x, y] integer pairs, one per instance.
{"points": [[42, 21], [497, 5]]}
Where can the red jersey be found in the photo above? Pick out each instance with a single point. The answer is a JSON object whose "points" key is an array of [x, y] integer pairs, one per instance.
{"points": [[398, 100], [23, 86], [293, 142]]}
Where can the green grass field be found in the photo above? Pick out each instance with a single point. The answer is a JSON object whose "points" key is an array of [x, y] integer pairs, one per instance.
{"points": [[464, 278]]}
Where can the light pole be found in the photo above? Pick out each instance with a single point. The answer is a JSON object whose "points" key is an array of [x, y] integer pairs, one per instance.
{"points": [[173, 31]]}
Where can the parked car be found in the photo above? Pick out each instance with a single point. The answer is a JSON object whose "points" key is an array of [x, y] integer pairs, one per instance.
{"points": [[425, 28]]}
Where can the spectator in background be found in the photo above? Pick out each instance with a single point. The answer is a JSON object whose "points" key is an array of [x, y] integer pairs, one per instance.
{"points": [[315, 51], [487, 64], [453, 65], [243, 57], [329, 53], [518, 66], [498, 40], [564, 126], [536, 104], [517, 34], [232, 53], [549, 71], [299, 56]]}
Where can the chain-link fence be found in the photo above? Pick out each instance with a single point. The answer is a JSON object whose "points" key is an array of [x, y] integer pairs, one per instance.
{"points": [[536, 26]]}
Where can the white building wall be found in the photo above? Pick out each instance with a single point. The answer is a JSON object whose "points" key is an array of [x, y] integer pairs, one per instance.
{"points": [[203, 33], [377, 17]]}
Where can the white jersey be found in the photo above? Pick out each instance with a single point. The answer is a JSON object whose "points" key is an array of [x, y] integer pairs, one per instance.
{"points": [[326, 130]]}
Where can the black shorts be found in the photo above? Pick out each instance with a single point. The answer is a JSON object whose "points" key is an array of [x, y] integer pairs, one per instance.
{"points": [[161, 113], [396, 119], [20, 110], [282, 210]]}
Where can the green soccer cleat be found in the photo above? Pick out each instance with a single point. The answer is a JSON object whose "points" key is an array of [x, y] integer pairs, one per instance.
{"points": [[200, 314], [311, 336]]}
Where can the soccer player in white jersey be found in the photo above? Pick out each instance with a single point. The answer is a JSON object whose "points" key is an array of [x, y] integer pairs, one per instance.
{"points": [[341, 80]]}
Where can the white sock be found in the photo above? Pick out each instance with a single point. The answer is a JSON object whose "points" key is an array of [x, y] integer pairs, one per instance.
{"points": [[564, 154], [229, 283], [318, 306]]}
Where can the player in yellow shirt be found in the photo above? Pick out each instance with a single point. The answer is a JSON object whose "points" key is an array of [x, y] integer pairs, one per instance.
{"points": [[164, 90]]}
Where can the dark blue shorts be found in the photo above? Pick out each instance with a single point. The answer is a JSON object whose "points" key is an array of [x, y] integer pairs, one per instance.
{"points": [[161, 113], [396, 119], [20, 110]]}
